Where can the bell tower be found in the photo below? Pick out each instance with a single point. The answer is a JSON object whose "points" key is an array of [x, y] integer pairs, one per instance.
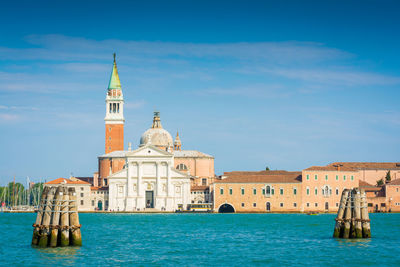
{"points": [[114, 119]]}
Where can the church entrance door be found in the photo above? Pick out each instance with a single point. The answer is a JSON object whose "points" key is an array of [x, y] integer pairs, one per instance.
{"points": [[100, 205], [149, 199]]}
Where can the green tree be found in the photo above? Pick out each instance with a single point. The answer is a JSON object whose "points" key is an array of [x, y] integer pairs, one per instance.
{"points": [[379, 182], [388, 178], [266, 168]]}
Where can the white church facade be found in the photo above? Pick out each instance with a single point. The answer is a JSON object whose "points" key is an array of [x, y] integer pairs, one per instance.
{"points": [[148, 181]]}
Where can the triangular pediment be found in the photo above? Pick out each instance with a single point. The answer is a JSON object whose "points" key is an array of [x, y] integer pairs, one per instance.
{"points": [[119, 174], [177, 174], [149, 151]]}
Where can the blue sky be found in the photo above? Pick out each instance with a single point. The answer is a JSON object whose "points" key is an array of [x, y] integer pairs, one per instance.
{"points": [[284, 84]]}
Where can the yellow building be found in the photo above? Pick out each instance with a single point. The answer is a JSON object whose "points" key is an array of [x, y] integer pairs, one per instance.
{"points": [[264, 191]]}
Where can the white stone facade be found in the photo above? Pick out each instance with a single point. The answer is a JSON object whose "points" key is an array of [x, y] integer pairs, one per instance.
{"points": [[148, 181]]}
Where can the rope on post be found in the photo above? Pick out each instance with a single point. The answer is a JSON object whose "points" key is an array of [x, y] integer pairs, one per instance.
{"points": [[57, 222], [352, 220]]}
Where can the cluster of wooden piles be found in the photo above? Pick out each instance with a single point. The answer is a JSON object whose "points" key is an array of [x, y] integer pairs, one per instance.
{"points": [[352, 219], [57, 221]]}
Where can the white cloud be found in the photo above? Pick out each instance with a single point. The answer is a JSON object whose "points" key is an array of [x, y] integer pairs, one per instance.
{"points": [[5, 117], [134, 105]]}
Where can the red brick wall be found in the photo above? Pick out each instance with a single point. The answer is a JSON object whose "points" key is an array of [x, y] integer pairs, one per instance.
{"points": [[105, 163], [114, 137]]}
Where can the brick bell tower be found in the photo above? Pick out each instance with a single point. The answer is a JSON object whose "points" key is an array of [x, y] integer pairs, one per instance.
{"points": [[114, 113]]}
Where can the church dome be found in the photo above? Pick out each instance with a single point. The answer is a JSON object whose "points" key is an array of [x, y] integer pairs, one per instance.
{"points": [[156, 135]]}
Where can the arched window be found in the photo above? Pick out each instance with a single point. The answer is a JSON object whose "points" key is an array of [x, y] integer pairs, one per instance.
{"points": [[181, 167], [268, 190], [326, 190], [114, 107], [118, 108], [110, 108]]}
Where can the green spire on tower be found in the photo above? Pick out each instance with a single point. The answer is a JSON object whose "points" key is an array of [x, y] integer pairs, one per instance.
{"points": [[114, 79]]}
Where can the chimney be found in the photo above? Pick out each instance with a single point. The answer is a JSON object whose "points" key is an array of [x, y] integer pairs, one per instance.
{"points": [[96, 179]]}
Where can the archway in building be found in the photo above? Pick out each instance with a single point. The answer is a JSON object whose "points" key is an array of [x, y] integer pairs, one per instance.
{"points": [[268, 206], [226, 208], [326, 206], [100, 205]]}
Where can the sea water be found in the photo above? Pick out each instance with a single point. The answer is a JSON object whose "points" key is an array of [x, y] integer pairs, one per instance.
{"points": [[205, 239]]}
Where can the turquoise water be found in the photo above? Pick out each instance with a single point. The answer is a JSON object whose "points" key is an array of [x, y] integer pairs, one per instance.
{"points": [[205, 239]]}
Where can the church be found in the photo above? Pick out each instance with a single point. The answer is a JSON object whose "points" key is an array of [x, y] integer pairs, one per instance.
{"points": [[158, 175]]}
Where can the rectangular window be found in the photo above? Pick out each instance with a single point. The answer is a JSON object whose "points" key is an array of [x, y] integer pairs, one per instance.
{"points": [[337, 177], [254, 191], [221, 191], [352, 178], [281, 191], [308, 204], [281, 204], [397, 189], [308, 191], [344, 177], [337, 204], [316, 191], [254, 205], [242, 191], [272, 191], [316, 177], [82, 202], [105, 181], [263, 191], [204, 181], [106, 203], [295, 204], [242, 204], [294, 191], [82, 188], [326, 177], [92, 202], [316, 204], [337, 191], [81, 194], [308, 177], [230, 191]]}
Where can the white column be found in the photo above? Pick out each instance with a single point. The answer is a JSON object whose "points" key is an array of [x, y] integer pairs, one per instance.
{"points": [[139, 185], [129, 183], [158, 181], [169, 185]]}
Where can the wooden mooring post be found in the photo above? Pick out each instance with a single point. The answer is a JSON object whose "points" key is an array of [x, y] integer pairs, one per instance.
{"points": [[352, 220], [57, 220]]}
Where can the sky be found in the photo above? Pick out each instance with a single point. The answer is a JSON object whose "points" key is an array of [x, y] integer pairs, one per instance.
{"points": [[283, 84]]}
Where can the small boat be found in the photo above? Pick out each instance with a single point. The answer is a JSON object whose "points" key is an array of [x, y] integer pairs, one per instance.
{"points": [[312, 213]]}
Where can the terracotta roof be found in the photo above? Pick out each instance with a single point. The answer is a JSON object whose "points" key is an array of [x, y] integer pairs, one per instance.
{"points": [[190, 153], [331, 168], [364, 184], [67, 181], [370, 165], [99, 188], [287, 177], [372, 188], [277, 172], [394, 182], [199, 188]]}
